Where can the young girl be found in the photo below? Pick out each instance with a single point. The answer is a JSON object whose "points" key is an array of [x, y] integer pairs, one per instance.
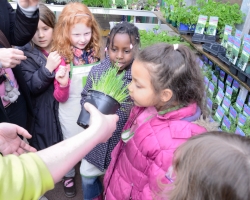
{"points": [[122, 44], [77, 38], [217, 164], [38, 71], [167, 89]]}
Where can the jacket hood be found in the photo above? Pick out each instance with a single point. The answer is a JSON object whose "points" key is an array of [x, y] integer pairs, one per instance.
{"points": [[207, 124]]}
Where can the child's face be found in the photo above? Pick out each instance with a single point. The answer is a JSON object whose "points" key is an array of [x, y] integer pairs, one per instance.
{"points": [[43, 36], [141, 89], [80, 35], [121, 52]]}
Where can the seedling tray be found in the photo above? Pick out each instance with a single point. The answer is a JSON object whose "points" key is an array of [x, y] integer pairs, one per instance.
{"points": [[233, 69], [201, 38], [197, 38], [224, 59], [214, 48], [209, 39], [242, 75], [248, 80]]}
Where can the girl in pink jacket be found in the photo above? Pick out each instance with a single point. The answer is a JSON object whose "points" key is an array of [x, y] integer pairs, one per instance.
{"points": [[168, 92]]}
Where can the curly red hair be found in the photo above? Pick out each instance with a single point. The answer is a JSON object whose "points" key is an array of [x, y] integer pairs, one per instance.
{"points": [[68, 18]]}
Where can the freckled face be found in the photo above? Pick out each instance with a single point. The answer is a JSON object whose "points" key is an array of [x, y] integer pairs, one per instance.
{"points": [[80, 35]]}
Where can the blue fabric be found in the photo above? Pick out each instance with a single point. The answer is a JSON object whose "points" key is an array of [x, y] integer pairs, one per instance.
{"points": [[92, 187], [193, 117]]}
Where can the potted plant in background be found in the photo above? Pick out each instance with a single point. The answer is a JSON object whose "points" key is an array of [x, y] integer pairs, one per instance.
{"points": [[187, 18], [150, 37], [106, 94]]}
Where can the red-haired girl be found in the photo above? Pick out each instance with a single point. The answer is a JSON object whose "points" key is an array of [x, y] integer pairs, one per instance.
{"points": [[76, 39]]}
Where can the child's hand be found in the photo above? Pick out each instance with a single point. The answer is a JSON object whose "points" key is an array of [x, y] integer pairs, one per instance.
{"points": [[62, 75], [54, 59]]}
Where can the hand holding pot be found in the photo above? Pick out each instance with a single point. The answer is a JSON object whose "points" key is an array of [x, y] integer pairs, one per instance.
{"points": [[103, 125]]}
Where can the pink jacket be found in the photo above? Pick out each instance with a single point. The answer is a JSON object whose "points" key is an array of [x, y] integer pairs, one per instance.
{"points": [[139, 166], [61, 94]]}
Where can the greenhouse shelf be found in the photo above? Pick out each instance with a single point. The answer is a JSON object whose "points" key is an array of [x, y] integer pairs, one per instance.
{"points": [[199, 48], [104, 11]]}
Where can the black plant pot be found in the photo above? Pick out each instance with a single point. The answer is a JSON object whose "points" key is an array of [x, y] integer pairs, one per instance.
{"points": [[104, 103]]}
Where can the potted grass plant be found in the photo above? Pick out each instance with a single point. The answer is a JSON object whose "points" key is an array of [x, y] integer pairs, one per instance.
{"points": [[106, 94]]}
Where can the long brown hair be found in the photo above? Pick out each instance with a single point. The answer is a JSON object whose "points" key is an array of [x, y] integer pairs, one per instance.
{"points": [[212, 166], [47, 17], [73, 13], [176, 70]]}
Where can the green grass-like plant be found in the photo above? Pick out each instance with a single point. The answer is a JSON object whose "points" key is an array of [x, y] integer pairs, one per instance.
{"points": [[111, 83]]}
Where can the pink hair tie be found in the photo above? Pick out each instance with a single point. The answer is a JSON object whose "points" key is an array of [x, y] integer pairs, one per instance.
{"points": [[106, 48], [131, 46]]}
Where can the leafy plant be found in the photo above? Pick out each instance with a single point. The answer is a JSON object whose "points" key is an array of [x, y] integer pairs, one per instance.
{"points": [[246, 127], [148, 38], [112, 84]]}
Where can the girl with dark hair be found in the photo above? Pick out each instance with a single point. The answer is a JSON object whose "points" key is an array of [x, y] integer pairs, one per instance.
{"points": [[122, 44], [210, 166], [167, 89], [38, 71]]}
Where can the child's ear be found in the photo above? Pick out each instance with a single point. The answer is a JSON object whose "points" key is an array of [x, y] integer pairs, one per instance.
{"points": [[166, 95]]}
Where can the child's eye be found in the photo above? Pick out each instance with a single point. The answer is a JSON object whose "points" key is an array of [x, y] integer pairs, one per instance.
{"points": [[113, 50], [127, 51], [138, 86], [86, 34]]}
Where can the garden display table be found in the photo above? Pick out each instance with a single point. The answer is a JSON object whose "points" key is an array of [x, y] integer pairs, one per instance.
{"points": [[105, 11], [198, 47]]}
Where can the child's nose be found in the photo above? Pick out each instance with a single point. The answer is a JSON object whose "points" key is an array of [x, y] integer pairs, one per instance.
{"points": [[119, 55], [40, 34], [82, 38]]}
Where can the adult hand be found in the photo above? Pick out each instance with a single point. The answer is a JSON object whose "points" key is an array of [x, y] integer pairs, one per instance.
{"points": [[28, 3], [10, 142], [105, 125], [54, 59], [10, 57], [62, 75]]}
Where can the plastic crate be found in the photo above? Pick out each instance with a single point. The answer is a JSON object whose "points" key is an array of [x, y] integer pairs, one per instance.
{"points": [[242, 75], [201, 38], [233, 69], [197, 38], [248, 80], [224, 59], [214, 48]]}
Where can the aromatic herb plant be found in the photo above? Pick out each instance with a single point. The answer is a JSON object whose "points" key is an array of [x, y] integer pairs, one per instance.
{"points": [[148, 38], [111, 83], [246, 127]]}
